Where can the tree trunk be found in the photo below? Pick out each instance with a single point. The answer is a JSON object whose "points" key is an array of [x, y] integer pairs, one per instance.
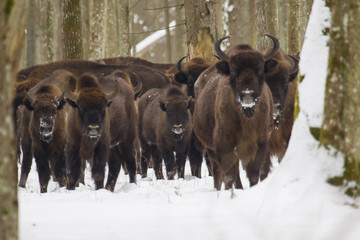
{"points": [[283, 29], [167, 38], [124, 28], [241, 22], [71, 20], [180, 32], [271, 18], [305, 10], [85, 26], [260, 25], [112, 30], [203, 26], [30, 36], [341, 124], [266, 22], [293, 27], [13, 20], [97, 29]]}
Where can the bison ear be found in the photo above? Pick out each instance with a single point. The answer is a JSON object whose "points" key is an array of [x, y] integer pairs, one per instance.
{"points": [[162, 106], [223, 67], [61, 104], [28, 102], [71, 102], [270, 65], [181, 78]]}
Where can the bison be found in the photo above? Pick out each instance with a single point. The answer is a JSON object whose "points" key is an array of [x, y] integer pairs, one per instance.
{"points": [[233, 113], [102, 127], [283, 88], [43, 130], [164, 128]]}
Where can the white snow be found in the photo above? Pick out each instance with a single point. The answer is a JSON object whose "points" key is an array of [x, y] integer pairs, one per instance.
{"points": [[294, 202]]}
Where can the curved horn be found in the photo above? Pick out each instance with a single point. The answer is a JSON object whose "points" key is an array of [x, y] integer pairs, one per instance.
{"points": [[68, 94], [296, 64], [138, 86], [218, 50], [275, 48], [22, 76], [112, 95], [178, 65], [61, 97], [28, 97], [217, 57]]}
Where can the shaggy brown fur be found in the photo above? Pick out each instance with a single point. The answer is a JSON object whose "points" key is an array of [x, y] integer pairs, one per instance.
{"points": [[233, 115], [282, 84], [43, 130], [134, 61], [164, 129], [102, 127]]}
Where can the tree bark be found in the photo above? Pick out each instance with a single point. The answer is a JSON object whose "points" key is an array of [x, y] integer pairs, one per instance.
{"points": [[293, 27], [112, 30], [283, 29], [341, 124], [167, 38], [305, 10], [260, 25], [71, 25], [30, 36], [203, 26], [180, 32], [97, 29], [124, 28], [13, 20]]}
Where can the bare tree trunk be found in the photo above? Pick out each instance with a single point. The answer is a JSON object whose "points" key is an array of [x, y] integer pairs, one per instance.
{"points": [[112, 30], [341, 124], [30, 35], [260, 25], [124, 28], [283, 29], [293, 27], [71, 20], [203, 20], [180, 31], [13, 20], [97, 29], [305, 10], [271, 15], [85, 26], [266, 22], [167, 38]]}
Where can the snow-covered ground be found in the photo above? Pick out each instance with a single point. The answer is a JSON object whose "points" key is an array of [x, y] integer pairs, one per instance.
{"points": [[294, 202]]}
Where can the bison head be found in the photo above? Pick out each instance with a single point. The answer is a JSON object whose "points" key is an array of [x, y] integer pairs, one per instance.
{"points": [[91, 103], [246, 68], [44, 107], [189, 75], [278, 81], [177, 113]]}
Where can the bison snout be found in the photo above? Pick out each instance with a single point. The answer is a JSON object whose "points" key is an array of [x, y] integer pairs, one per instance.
{"points": [[93, 129], [178, 129], [277, 114], [46, 129]]}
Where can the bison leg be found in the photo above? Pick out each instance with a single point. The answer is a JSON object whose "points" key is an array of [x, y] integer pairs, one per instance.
{"points": [[180, 164], [157, 161], [43, 169], [195, 158], [145, 158], [208, 164], [73, 166], [26, 164], [254, 166], [101, 155], [114, 168], [59, 170], [169, 160], [265, 167], [130, 162], [215, 169]]}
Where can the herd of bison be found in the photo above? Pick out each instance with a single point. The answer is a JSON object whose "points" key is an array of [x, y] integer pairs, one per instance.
{"points": [[131, 113]]}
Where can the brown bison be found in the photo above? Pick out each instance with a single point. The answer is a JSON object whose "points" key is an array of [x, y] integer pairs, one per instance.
{"points": [[283, 88], [134, 61], [43, 130], [164, 128], [102, 128], [233, 113]]}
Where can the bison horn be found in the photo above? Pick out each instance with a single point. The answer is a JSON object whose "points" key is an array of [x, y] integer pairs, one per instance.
{"points": [[112, 95], [138, 86], [275, 49], [178, 65], [296, 64], [22, 76], [68, 94], [28, 98], [218, 50], [62, 96]]}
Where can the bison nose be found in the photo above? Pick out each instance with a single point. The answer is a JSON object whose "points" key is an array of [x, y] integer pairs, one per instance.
{"points": [[178, 128], [277, 110], [248, 101], [93, 129]]}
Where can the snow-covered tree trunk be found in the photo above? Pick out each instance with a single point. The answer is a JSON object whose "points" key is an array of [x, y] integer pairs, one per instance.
{"points": [[203, 26], [13, 20], [97, 29], [293, 27], [341, 124], [71, 22]]}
